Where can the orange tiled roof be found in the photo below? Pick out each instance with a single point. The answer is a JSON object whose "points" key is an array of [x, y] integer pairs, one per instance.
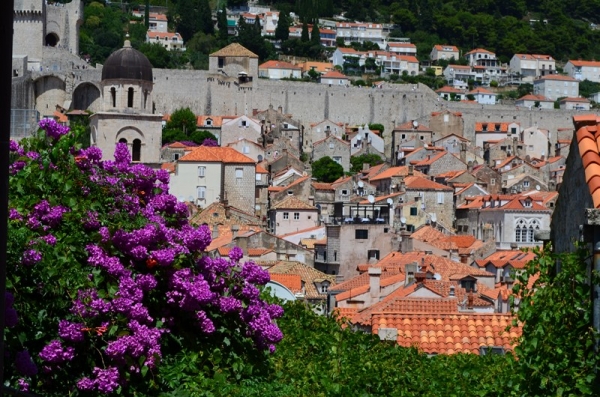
{"points": [[531, 97], [292, 281], [491, 127], [392, 172], [499, 259], [409, 126], [322, 186], [216, 154], [234, 50], [334, 74], [261, 170], [292, 203], [587, 141], [278, 65], [308, 275], [442, 47], [258, 251], [420, 183], [593, 64], [449, 333], [168, 166], [558, 77]]}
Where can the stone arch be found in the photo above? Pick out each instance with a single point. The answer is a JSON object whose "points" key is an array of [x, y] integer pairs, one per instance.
{"points": [[87, 96], [130, 133], [51, 40], [49, 91]]}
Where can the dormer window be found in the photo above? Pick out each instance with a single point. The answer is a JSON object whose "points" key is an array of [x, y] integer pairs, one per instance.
{"points": [[484, 127], [208, 122], [497, 127], [527, 203]]}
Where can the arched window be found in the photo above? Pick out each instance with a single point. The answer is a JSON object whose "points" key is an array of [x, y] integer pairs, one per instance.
{"points": [[136, 152], [123, 140], [113, 96], [130, 97]]}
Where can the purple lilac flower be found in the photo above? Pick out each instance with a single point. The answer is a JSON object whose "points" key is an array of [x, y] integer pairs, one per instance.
{"points": [[15, 147], [90, 222], [110, 264], [143, 341], [189, 291], [206, 325], [23, 385], [104, 233], [71, 332], [86, 384], [16, 167], [146, 282], [24, 364], [31, 257], [54, 216], [33, 155], [236, 254], [49, 239], [53, 129], [254, 274], [122, 155], [56, 353], [229, 304], [14, 215], [210, 142], [107, 380], [165, 257], [163, 176], [93, 153], [88, 304]]}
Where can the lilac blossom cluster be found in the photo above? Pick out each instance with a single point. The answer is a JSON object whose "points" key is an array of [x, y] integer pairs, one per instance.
{"points": [[160, 261]]}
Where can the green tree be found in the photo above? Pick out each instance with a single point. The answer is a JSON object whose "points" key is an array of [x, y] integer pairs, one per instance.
{"points": [[377, 127], [315, 36], [356, 162], [305, 37], [222, 26], [555, 309], [282, 31], [183, 120], [199, 136], [147, 14], [158, 55], [204, 18], [187, 18], [326, 170]]}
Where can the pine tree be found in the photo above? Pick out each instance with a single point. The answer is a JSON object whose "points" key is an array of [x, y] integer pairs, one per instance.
{"points": [[205, 23], [222, 25], [315, 36], [282, 31], [304, 37], [147, 14]]}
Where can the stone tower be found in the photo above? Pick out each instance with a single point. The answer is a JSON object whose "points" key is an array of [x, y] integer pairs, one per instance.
{"points": [[127, 114], [38, 25]]}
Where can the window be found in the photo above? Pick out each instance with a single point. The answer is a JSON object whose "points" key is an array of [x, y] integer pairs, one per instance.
{"points": [[201, 192], [361, 234], [246, 149], [113, 95], [331, 145], [201, 171], [130, 97], [136, 150], [344, 192], [373, 254], [296, 216], [324, 288], [403, 136], [286, 215], [243, 123], [440, 198], [258, 177], [413, 211], [492, 181], [525, 183], [239, 173], [337, 159]]}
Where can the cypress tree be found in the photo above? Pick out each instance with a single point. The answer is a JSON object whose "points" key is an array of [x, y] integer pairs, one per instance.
{"points": [[205, 23], [147, 14], [315, 36], [282, 31], [304, 37]]}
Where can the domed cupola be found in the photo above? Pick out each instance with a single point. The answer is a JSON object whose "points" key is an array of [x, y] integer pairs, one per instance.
{"points": [[127, 63]]}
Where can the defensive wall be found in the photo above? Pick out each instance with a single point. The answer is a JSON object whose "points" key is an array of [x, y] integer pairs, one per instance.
{"points": [[69, 81]]}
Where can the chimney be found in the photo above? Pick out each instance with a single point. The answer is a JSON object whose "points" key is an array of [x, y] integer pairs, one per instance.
{"points": [[464, 258], [366, 167], [279, 109], [513, 246], [215, 231], [410, 170], [406, 244], [463, 152], [374, 283], [234, 230], [470, 301]]}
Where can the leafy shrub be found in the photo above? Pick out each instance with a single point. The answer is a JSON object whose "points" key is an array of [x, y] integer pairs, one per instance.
{"points": [[108, 285]]}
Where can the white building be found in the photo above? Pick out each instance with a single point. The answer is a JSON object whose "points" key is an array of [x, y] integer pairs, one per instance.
{"points": [[276, 70], [364, 137], [361, 32], [531, 66], [574, 103], [444, 52], [554, 86], [483, 96], [171, 41], [458, 76], [531, 101], [583, 70], [402, 48]]}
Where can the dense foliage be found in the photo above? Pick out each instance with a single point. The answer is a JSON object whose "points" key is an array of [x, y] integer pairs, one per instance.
{"points": [[357, 162], [109, 288], [557, 349], [326, 169]]}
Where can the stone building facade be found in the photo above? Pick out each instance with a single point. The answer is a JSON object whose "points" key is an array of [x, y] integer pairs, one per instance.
{"points": [[335, 148]]}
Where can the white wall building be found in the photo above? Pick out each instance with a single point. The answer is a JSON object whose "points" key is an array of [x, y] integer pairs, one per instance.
{"points": [[583, 70], [554, 86]]}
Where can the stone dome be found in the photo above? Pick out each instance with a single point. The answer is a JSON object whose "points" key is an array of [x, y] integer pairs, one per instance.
{"points": [[127, 63]]}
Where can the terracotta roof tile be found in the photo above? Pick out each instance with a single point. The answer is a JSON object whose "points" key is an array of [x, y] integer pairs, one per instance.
{"points": [[308, 275], [278, 65], [216, 154], [292, 203], [420, 183], [234, 50], [499, 259], [292, 281]]}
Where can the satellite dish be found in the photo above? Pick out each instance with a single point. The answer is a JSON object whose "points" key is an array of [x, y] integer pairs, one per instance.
{"points": [[433, 218], [537, 187], [180, 199], [390, 201], [361, 184], [437, 276], [415, 123], [191, 199], [371, 198], [403, 220]]}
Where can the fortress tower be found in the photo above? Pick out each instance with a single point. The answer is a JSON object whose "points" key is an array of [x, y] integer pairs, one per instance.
{"points": [[37, 25], [127, 114]]}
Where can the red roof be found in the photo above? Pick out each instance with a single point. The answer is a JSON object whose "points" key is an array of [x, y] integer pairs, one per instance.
{"points": [[216, 154], [334, 74], [279, 65]]}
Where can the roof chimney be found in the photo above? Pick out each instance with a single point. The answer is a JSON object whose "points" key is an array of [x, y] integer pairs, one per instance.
{"points": [[470, 301], [374, 283], [406, 244], [464, 258], [410, 170], [234, 230]]}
